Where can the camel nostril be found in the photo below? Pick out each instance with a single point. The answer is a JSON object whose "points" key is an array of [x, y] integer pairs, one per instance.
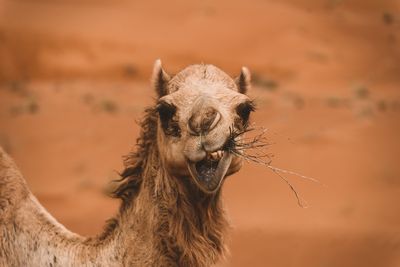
{"points": [[210, 119], [204, 120]]}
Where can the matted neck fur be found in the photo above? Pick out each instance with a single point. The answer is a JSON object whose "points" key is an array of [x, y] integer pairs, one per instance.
{"points": [[171, 212]]}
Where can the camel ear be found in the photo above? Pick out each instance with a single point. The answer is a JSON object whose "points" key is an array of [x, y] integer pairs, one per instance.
{"points": [[160, 79], [243, 80]]}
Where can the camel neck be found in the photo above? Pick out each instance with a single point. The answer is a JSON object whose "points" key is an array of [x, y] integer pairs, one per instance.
{"points": [[171, 221]]}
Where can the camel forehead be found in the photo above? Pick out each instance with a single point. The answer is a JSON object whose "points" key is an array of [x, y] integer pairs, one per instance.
{"points": [[216, 94], [200, 77], [202, 81]]}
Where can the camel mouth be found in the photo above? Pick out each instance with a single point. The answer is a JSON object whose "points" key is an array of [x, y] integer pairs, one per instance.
{"points": [[209, 173]]}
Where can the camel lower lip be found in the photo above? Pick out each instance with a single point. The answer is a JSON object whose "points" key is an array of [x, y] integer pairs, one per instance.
{"points": [[208, 174]]}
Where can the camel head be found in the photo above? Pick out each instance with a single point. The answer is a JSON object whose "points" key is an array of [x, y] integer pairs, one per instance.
{"points": [[198, 110]]}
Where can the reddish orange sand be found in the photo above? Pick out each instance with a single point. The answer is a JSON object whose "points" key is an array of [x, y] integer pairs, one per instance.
{"points": [[74, 78]]}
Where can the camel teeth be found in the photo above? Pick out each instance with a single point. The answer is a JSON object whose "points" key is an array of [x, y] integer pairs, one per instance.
{"points": [[217, 155]]}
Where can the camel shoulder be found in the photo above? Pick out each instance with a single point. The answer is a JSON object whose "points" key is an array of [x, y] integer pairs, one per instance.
{"points": [[13, 188]]}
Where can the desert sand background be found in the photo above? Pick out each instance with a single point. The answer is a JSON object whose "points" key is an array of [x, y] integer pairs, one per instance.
{"points": [[74, 78]]}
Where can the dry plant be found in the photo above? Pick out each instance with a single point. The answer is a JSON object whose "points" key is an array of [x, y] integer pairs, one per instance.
{"points": [[254, 149]]}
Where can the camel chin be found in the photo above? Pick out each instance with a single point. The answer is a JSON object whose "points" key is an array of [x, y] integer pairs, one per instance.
{"points": [[209, 172]]}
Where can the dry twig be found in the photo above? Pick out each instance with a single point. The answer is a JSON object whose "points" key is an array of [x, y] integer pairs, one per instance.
{"points": [[253, 150]]}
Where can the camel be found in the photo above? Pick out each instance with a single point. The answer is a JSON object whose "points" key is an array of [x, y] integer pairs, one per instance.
{"points": [[171, 211]]}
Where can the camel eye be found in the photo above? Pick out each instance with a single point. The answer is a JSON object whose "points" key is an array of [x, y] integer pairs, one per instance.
{"points": [[244, 109], [167, 112]]}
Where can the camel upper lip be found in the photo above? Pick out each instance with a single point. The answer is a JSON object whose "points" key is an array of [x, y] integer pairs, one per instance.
{"points": [[209, 172]]}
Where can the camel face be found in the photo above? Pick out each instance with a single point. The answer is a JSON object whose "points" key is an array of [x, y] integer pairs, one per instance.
{"points": [[199, 108]]}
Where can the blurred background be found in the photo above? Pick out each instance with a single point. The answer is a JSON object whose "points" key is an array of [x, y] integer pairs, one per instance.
{"points": [[74, 78]]}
